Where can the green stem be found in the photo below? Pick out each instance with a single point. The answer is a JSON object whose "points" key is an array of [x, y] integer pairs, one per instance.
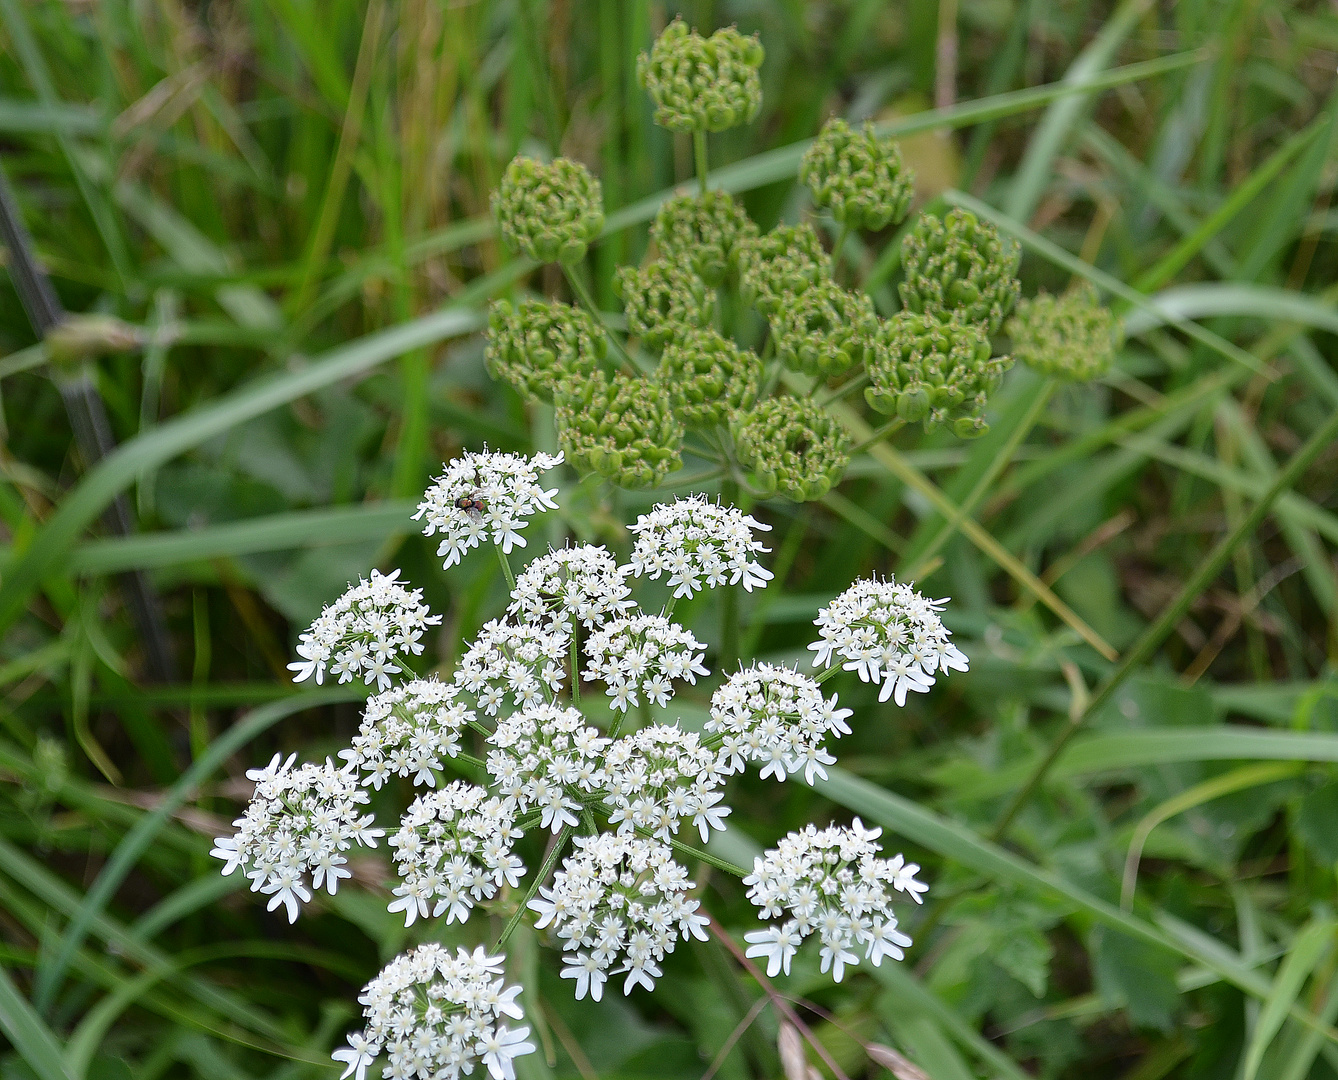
{"points": [[575, 670], [506, 567], [845, 388], [588, 302], [704, 856], [840, 248], [558, 845], [1170, 617], [879, 434], [699, 152]]}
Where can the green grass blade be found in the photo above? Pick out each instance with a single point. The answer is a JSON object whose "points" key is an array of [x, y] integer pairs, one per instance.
{"points": [[35, 1043], [1224, 298], [1308, 948]]}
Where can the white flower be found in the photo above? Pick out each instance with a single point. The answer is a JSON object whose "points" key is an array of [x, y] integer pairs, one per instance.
{"points": [[408, 731], [356, 1056], [659, 776], [589, 976], [499, 1047], [637, 653], [889, 633], [584, 584], [374, 624], [293, 836], [548, 759], [777, 943], [698, 543], [485, 491], [525, 663], [777, 718]]}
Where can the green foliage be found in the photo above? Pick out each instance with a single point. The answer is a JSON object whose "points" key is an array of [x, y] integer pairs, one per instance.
{"points": [[781, 264], [621, 427], [663, 301], [825, 330], [703, 232], [702, 84], [858, 176], [709, 378], [539, 345], [792, 447], [958, 267], [1070, 337], [548, 212]]}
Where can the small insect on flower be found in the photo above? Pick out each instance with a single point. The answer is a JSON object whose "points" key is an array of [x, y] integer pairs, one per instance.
{"points": [[472, 504]]}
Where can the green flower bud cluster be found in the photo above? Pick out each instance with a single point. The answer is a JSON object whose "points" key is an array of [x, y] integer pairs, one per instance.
{"points": [[859, 176], [709, 378], [825, 330], [792, 447], [780, 265], [960, 268], [663, 301], [1073, 336], [935, 371], [549, 213], [703, 232], [540, 345], [622, 427], [702, 84]]}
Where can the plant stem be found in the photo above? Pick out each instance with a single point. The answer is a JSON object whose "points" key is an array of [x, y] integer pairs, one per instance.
{"points": [[879, 434], [539, 879], [845, 388], [588, 302], [506, 567], [575, 670], [699, 152], [840, 248], [706, 857]]}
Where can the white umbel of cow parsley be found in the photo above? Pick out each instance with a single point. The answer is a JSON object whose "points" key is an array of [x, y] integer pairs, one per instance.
{"points": [[888, 633], [373, 625], [618, 906], [777, 718], [581, 584], [408, 731], [643, 653], [296, 828], [831, 883], [433, 1014], [548, 759], [699, 544], [514, 664], [661, 775], [482, 493]]}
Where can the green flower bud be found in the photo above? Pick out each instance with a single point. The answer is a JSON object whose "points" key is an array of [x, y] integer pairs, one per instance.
{"points": [[780, 265], [621, 427], [858, 175], [540, 345], [702, 84], [663, 301], [923, 368], [703, 232], [792, 447], [960, 268], [709, 378], [1073, 336], [825, 330], [549, 213]]}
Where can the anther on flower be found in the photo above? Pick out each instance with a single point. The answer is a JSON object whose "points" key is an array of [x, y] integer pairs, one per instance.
{"points": [[408, 731], [642, 654], [1073, 336], [296, 828], [485, 492], [825, 330], [703, 232], [961, 268], [781, 264], [662, 301], [434, 1014], [793, 447], [581, 584], [548, 759], [548, 213], [367, 632], [699, 544], [776, 718], [702, 84], [659, 776], [888, 633], [859, 176], [521, 664], [709, 378], [831, 883], [622, 427], [452, 851], [923, 368], [542, 344], [618, 905]]}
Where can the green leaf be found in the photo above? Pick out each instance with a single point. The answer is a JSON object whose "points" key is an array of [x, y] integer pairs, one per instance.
{"points": [[1138, 976], [34, 1041]]}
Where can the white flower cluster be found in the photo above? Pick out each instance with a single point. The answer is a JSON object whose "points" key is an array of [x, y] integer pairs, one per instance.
{"points": [[832, 884], [408, 731], [642, 652], [584, 583], [524, 660], [479, 492], [660, 775], [887, 632], [454, 848], [547, 758], [364, 632], [618, 904], [435, 1016], [698, 543], [299, 822], [777, 718]]}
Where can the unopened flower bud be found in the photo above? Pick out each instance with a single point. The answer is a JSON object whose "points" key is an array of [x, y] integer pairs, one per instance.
{"points": [[709, 378], [792, 447], [702, 84], [703, 232], [825, 330], [1073, 336], [540, 344], [621, 427], [663, 301], [781, 264], [960, 268], [549, 213], [859, 176], [926, 369]]}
